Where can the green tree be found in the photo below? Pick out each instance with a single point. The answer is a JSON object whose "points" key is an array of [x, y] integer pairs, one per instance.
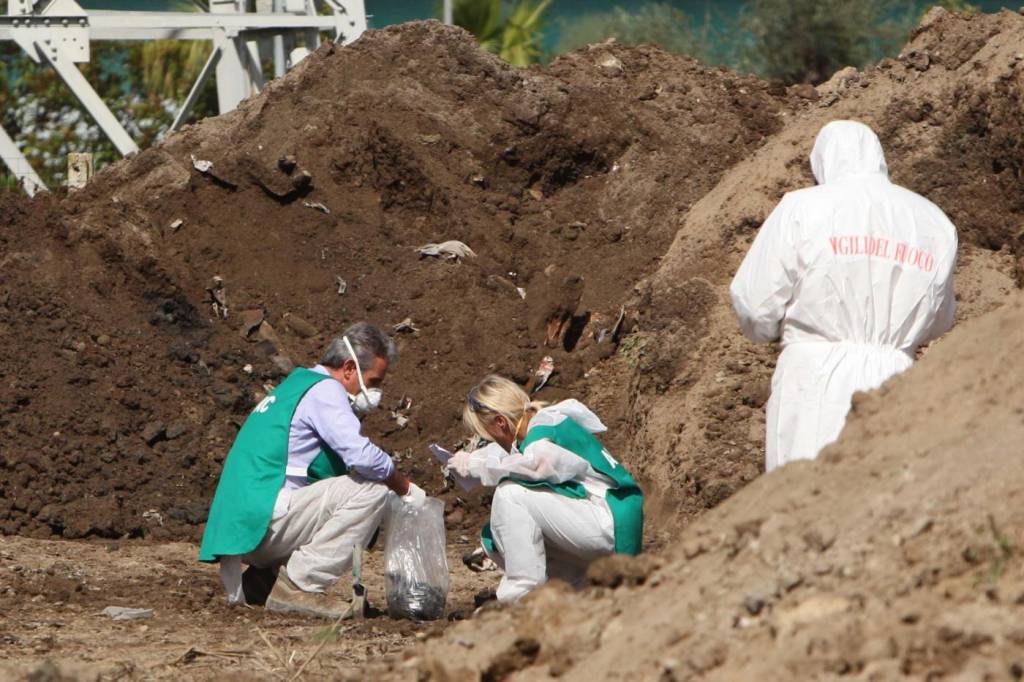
{"points": [[959, 6], [143, 86], [143, 83], [806, 41], [170, 67], [520, 39], [513, 31]]}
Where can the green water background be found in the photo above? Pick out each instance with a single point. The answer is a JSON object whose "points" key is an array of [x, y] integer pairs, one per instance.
{"points": [[386, 12]]}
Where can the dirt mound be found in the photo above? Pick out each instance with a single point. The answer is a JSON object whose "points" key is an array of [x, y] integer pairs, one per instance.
{"points": [[895, 553], [641, 178], [699, 386], [144, 315]]}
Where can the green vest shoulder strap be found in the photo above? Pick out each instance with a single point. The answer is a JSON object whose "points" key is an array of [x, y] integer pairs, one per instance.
{"points": [[254, 471], [573, 437], [624, 498]]}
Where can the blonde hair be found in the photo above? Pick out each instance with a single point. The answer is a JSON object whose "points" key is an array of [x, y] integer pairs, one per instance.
{"points": [[494, 396]]}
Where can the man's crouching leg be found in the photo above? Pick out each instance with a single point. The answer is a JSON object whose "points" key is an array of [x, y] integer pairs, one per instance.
{"points": [[336, 514]]}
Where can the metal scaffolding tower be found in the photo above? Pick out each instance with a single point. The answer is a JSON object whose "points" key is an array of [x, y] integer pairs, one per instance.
{"points": [[58, 33]]}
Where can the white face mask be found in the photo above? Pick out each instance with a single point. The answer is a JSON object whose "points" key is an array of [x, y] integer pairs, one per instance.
{"points": [[368, 399]]}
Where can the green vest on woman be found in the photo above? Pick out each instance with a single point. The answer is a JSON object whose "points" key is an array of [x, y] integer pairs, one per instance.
{"points": [[624, 498]]}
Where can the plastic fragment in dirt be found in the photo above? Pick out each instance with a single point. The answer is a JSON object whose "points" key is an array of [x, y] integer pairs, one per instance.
{"points": [[126, 613], [406, 326], [342, 285], [401, 413], [317, 205], [201, 165], [451, 249], [544, 372], [478, 561], [218, 297], [610, 62]]}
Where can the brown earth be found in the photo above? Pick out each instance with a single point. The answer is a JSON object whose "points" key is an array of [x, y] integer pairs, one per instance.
{"points": [[52, 594], [701, 387], [895, 554], [123, 387], [642, 178]]}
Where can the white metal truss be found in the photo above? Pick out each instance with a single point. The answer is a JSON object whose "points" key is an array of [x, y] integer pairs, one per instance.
{"points": [[19, 165], [59, 32]]}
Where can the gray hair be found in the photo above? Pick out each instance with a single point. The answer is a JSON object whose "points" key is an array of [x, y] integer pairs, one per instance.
{"points": [[368, 342]]}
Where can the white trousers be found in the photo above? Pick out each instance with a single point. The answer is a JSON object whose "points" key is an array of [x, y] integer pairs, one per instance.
{"points": [[541, 534], [324, 522], [812, 388]]}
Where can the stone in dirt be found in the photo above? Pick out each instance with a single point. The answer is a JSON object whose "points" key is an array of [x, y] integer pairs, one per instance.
{"points": [[154, 432], [127, 613], [300, 326]]}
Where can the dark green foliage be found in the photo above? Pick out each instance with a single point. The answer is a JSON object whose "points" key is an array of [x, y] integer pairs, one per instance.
{"points": [[806, 41]]}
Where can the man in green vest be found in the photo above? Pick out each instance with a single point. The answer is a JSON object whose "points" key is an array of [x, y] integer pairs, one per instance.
{"points": [[301, 486]]}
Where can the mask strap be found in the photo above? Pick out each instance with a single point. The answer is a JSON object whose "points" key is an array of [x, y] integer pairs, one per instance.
{"points": [[359, 371]]}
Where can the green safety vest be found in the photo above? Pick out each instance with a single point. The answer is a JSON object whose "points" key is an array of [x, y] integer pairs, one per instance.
{"points": [[624, 498], [255, 468]]}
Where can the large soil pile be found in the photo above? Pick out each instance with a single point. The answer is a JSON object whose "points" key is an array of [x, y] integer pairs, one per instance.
{"points": [[895, 553], [700, 387], [614, 179], [123, 384]]}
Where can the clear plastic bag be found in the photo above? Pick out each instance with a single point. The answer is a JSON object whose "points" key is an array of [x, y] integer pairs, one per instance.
{"points": [[415, 563]]}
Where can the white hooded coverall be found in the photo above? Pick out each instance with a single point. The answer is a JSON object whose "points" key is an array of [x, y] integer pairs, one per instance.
{"points": [[853, 275], [539, 533]]}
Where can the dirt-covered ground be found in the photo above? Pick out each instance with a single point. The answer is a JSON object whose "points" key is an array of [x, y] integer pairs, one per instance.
{"points": [[568, 183], [894, 555], [612, 180], [53, 593]]}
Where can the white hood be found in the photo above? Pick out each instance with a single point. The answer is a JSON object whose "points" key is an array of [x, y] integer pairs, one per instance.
{"points": [[575, 410], [845, 148]]}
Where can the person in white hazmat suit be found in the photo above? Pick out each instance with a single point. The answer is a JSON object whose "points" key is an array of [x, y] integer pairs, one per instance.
{"points": [[852, 275], [561, 500]]}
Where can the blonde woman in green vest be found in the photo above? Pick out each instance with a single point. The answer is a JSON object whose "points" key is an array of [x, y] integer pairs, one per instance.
{"points": [[302, 486], [561, 499]]}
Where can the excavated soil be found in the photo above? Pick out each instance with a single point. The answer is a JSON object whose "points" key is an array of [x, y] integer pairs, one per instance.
{"points": [[124, 387], [612, 180], [894, 555]]}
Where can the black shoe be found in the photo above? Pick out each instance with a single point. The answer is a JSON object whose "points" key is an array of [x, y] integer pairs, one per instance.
{"points": [[257, 584]]}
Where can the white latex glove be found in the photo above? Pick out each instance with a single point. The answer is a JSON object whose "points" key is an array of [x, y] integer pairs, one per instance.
{"points": [[459, 463], [416, 497]]}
